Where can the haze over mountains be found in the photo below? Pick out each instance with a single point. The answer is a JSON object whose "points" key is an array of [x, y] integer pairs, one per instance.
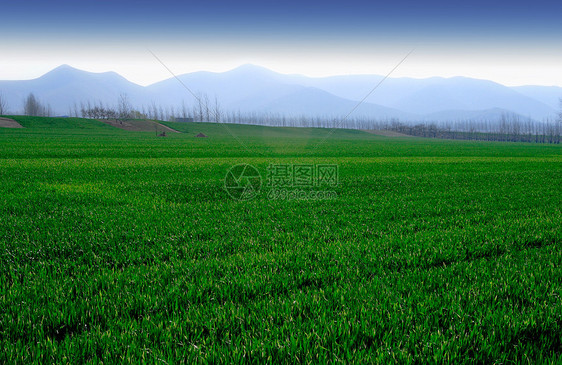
{"points": [[252, 88]]}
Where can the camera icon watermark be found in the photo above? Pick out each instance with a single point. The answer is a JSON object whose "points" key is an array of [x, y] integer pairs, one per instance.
{"points": [[242, 182], [284, 182]]}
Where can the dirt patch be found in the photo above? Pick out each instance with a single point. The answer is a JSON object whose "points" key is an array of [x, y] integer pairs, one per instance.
{"points": [[9, 123], [385, 133], [139, 126]]}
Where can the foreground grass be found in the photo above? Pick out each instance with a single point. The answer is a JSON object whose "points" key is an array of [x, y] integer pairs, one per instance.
{"points": [[120, 246]]}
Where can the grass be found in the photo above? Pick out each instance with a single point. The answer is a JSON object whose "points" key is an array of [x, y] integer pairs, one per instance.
{"points": [[120, 246]]}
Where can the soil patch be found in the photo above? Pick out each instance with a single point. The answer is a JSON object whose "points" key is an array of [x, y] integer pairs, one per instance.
{"points": [[139, 126], [9, 123]]}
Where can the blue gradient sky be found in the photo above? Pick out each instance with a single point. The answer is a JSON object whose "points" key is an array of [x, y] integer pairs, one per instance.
{"points": [[510, 43]]}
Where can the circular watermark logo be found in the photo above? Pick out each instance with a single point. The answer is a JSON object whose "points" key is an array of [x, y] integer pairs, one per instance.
{"points": [[242, 182]]}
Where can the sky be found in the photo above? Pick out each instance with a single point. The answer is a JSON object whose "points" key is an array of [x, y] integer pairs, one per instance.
{"points": [[507, 42]]}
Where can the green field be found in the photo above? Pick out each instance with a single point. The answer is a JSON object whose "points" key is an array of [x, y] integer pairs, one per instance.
{"points": [[119, 246]]}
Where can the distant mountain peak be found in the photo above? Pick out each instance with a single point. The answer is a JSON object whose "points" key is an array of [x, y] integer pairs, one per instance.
{"points": [[251, 68], [251, 87], [65, 66], [66, 73], [63, 69]]}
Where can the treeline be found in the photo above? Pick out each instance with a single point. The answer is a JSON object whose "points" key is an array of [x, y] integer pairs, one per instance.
{"points": [[204, 110], [509, 127], [122, 111], [32, 106]]}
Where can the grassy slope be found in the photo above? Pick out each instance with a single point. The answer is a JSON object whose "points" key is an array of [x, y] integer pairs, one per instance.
{"points": [[123, 246]]}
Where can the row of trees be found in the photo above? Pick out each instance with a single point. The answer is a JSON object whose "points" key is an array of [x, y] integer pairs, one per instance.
{"points": [[32, 106], [122, 111], [509, 127], [204, 110]]}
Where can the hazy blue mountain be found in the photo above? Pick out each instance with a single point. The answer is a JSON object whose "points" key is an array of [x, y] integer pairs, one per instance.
{"points": [[423, 96], [251, 88], [321, 103], [470, 94], [248, 87], [64, 86], [550, 95], [356, 87]]}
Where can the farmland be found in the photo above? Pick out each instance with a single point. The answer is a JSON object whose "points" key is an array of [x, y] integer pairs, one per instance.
{"points": [[122, 246]]}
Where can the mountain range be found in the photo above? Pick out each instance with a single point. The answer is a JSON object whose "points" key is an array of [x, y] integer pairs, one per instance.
{"points": [[250, 88]]}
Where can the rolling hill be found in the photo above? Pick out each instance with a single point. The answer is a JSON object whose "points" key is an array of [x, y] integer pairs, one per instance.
{"points": [[254, 89]]}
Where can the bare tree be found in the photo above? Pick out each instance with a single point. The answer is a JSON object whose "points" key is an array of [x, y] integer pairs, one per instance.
{"points": [[218, 111], [560, 111], [206, 108], [3, 105], [184, 113], [124, 107], [200, 108], [32, 106], [74, 110], [153, 111], [171, 114], [559, 124]]}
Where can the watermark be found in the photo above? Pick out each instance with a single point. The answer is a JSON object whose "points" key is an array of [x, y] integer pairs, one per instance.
{"points": [[242, 182], [284, 182], [286, 194]]}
